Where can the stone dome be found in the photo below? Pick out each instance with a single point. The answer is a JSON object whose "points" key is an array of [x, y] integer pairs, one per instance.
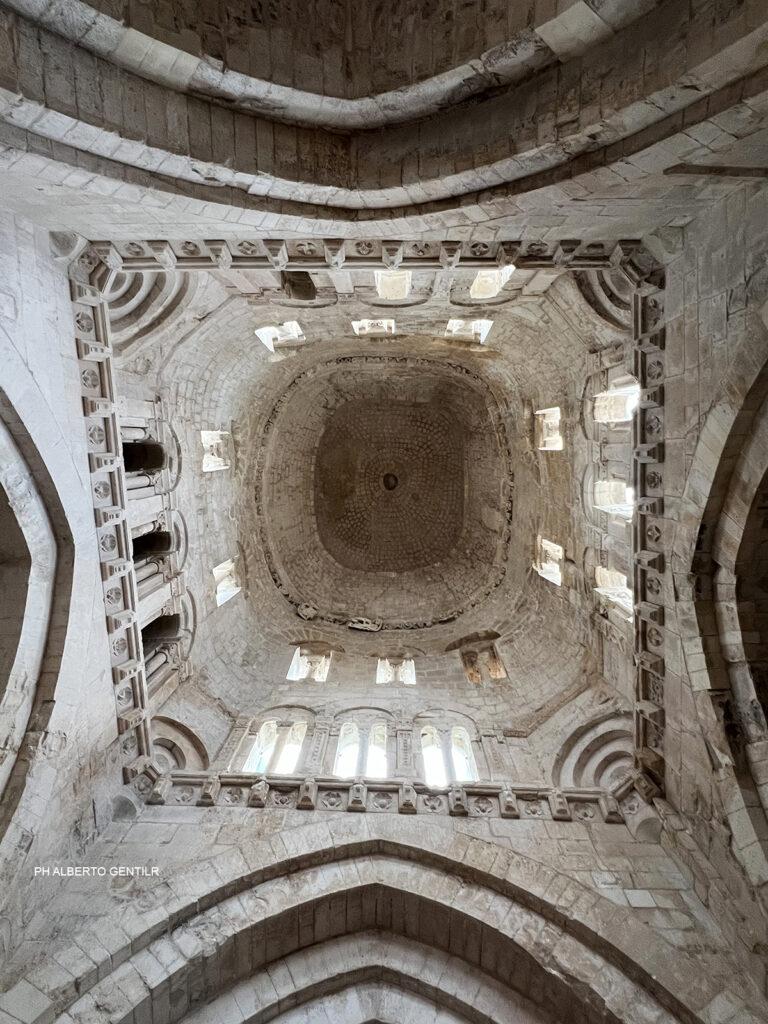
{"points": [[384, 477], [389, 486]]}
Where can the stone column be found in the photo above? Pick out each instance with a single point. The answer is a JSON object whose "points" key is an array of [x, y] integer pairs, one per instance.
{"points": [[134, 481], [161, 667], [143, 530], [148, 577], [148, 569], [155, 664], [312, 760], [233, 747], [491, 746], [330, 750], [404, 761], [283, 731], [133, 433], [163, 687], [445, 746], [363, 735]]}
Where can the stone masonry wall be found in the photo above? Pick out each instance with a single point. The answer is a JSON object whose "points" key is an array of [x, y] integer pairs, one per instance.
{"points": [[69, 779]]}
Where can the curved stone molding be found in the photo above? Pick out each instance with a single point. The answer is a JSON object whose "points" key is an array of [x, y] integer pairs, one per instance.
{"points": [[568, 34], [356, 191], [597, 754], [175, 746], [181, 535], [141, 303], [29, 703], [359, 180], [610, 295], [29, 583]]}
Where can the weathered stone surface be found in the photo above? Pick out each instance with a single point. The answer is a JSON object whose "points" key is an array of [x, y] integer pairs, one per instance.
{"points": [[478, 559]]}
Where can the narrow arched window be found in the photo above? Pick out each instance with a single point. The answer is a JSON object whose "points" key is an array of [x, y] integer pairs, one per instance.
{"points": [[549, 562], [469, 330], [347, 751], [617, 404], [263, 748], [462, 758], [376, 757], [288, 333], [225, 578], [215, 450], [309, 664], [614, 586], [289, 752], [396, 671], [549, 437], [435, 773], [614, 497]]}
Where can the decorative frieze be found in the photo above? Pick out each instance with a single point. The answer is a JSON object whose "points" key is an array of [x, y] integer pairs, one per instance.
{"points": [[472, 800], [333, 254], [649, 533]]}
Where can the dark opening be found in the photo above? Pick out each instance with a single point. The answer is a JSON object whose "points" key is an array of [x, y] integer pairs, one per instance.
{"points": [[752, 597], [165, 627], [143, 456], [15, 566], [159, 542]]}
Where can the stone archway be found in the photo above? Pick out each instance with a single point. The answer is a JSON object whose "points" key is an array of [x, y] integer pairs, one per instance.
{"points": [[710, 553], [738, 570], [752, 593], [535, 935], [508, 946], [35, 577], [371, 976]]}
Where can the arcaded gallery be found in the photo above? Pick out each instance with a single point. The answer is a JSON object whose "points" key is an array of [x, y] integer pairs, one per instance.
{"points": [[384, 512]]}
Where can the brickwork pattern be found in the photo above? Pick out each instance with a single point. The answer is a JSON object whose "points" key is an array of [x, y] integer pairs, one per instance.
{"points": [[389, 486]]}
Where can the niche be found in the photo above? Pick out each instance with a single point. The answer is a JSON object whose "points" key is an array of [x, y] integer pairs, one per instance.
{"points": [[159, 542], [144, 456], [161, 629]]}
